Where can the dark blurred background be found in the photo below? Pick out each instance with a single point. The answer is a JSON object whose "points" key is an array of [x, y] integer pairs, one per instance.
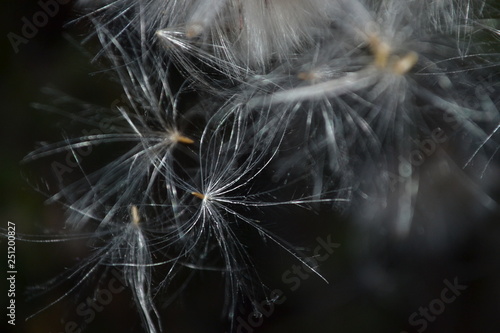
{"points": [[46, 59], [375, 282]]}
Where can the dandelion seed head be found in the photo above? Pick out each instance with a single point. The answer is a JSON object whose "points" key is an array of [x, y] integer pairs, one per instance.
{"points": [[332, 100]]}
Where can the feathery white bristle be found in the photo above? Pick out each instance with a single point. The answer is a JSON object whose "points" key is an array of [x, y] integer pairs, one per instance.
{"points": [[237, 106]]}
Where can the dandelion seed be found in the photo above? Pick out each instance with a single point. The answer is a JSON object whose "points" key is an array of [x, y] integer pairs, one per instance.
{"points": [[194, 30], [135, 215], [177, 137], [381, 51], [405, 64], [199, 195]]}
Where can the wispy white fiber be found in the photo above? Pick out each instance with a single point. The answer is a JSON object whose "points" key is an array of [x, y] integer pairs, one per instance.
{"points": [[237, 107]]}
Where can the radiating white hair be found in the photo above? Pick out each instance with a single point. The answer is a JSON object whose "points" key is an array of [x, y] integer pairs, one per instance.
{"points": [[331, 100]]}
